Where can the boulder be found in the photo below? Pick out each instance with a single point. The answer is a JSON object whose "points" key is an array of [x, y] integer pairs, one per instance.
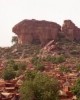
{"points": [[34, 31], [45, 51]]}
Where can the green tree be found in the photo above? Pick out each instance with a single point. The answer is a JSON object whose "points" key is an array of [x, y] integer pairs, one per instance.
{"points": [[15, 39], [13, 64], [64, 69], [40, 87], [8, 73], [76, 89], [22, 65], [58, 59], [38, 62], [78, 67]]}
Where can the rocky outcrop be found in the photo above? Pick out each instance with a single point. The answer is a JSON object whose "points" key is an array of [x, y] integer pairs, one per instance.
{"points": [[70, 31], [29, 31], [46, 50], [34, 31]]}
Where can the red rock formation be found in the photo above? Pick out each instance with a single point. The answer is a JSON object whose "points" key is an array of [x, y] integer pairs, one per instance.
{"points": [[70, 31], [29, 31]]}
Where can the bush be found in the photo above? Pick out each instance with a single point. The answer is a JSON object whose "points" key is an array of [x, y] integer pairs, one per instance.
{"points": [[78, 67], [9, 74], [19, 72], [74, 52], [56, 60], [36, 60], [59, 59], [13, 64], [21, 65], [40, 66], [76, 89], [38, 63], [41, 87], [30, 75], [16, 65], [64, 69], [10, 62]]}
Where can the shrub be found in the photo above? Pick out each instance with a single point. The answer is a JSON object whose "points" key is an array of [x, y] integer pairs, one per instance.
{"points": [[16, 65], [64, 69], [9, 74], [41, 87], [40, 66], [13, 64], [58, 59], [76, 89], [38, 63], [36, 60], [78, 67], [19, 72], [74, 52], [48, 58], [10, 62], [30, 75], [21, 65]]}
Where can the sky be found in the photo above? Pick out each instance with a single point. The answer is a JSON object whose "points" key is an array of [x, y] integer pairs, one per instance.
{"points": [[14, 11]]}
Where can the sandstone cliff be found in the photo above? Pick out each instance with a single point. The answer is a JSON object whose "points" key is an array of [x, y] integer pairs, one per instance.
{"points": [[34, 31], [29, 31]]}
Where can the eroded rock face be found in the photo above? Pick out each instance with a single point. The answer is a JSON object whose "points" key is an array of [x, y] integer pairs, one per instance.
{"points": [[70, 31], [29, 31], [34, 31]]}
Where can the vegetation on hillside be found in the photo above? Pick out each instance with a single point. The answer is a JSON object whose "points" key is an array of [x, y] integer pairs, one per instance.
{"points": [[63, 60], [13, 69], [76, 89], [39, 87]]}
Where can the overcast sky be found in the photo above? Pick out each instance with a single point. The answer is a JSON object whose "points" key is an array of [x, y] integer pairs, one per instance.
{"points": [[13, 11]]}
